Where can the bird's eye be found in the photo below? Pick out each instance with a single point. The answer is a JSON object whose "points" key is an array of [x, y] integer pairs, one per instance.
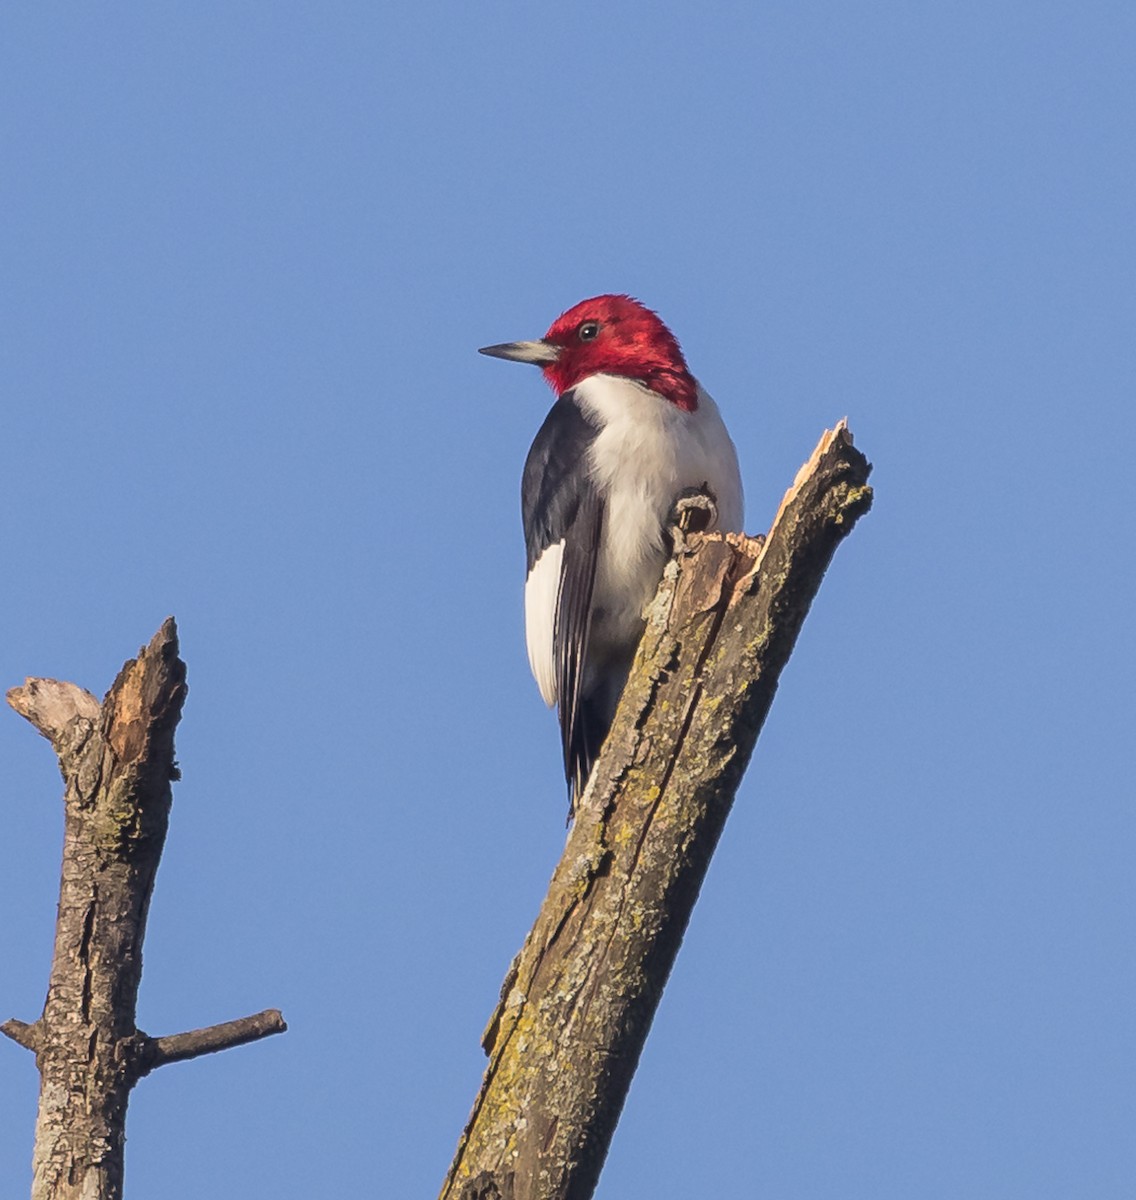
{"points": [[588, 331]]}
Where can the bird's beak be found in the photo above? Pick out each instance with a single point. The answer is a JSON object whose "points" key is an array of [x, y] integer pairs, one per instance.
{"points": [[539, 353]]}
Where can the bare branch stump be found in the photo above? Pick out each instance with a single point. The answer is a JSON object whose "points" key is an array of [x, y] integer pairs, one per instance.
{"points": [[579, 999], [117, 760]]}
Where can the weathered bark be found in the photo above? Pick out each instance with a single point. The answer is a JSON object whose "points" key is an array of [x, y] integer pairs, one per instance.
{"points": [[579, 998], [117, 760]]}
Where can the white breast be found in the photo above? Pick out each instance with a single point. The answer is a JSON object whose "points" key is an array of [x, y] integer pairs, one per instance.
{"points": [[648, 451]]}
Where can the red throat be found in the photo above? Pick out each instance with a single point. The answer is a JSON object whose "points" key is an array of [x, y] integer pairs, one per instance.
{"points": [[616, 335]]}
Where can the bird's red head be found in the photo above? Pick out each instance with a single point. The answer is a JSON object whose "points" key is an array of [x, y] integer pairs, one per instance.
{"points": [[611, 335], [617, 335]]}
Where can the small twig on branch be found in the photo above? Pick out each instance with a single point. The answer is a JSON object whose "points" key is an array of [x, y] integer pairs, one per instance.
{"points": [[117, 760], [579, 998], [181, 1046]]}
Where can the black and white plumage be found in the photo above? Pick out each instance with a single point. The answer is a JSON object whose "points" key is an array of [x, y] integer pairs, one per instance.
{"points": [[630, 432]]}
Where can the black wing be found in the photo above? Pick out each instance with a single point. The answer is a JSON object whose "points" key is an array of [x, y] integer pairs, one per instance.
{"points": [[555, 475], [573, 625], [560, 506]]}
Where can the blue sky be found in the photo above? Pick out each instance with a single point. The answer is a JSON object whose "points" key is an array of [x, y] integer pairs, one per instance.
{"points": [[248, 253]]}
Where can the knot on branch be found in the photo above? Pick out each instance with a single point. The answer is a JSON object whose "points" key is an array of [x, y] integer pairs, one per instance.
{"points": [[489, 1186]]}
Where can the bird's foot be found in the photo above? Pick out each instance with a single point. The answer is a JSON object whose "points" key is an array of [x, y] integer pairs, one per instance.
{"points": [[695, 511]]}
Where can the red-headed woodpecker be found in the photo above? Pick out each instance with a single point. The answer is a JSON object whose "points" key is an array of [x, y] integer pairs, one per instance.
{"points": [[631, 431]]}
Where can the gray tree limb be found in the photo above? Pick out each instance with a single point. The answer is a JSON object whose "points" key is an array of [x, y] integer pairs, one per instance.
{"points": [[579, 999], [117, 760]]}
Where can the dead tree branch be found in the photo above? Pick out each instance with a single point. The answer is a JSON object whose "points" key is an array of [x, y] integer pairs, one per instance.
{"points": [[183, 1046], [579, 998], [117, 760]]}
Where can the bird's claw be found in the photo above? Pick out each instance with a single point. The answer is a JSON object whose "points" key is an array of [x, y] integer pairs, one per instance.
{"points": [[695, 511]]}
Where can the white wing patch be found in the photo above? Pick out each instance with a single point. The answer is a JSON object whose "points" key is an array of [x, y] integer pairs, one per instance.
{"points": [[542, 591]]}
